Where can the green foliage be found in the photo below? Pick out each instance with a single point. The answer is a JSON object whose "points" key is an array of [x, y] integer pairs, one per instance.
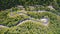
{"points": [[41, 14], [4, 4], [58, 2], [7, 21], [2, 30], [33, 28], [53, 17], [29, 27]]}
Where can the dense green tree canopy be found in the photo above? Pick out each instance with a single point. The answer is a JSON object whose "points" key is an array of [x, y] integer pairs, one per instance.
{"points": [[4, 4]]}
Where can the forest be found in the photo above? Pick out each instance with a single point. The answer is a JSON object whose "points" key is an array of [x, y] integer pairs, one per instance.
{"points": [[29, 16], [5, 4]]}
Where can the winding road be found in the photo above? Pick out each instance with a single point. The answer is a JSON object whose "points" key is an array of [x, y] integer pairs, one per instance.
{"points": [[23, 12], [25, 20], [4, 26], [28, 19]]}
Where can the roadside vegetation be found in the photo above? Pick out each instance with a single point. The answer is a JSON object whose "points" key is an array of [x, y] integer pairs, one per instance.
{"points": [[7, 20], [14, 13]]}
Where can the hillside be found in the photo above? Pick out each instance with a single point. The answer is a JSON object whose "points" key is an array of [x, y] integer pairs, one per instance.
{"points": [[30, 17]]}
